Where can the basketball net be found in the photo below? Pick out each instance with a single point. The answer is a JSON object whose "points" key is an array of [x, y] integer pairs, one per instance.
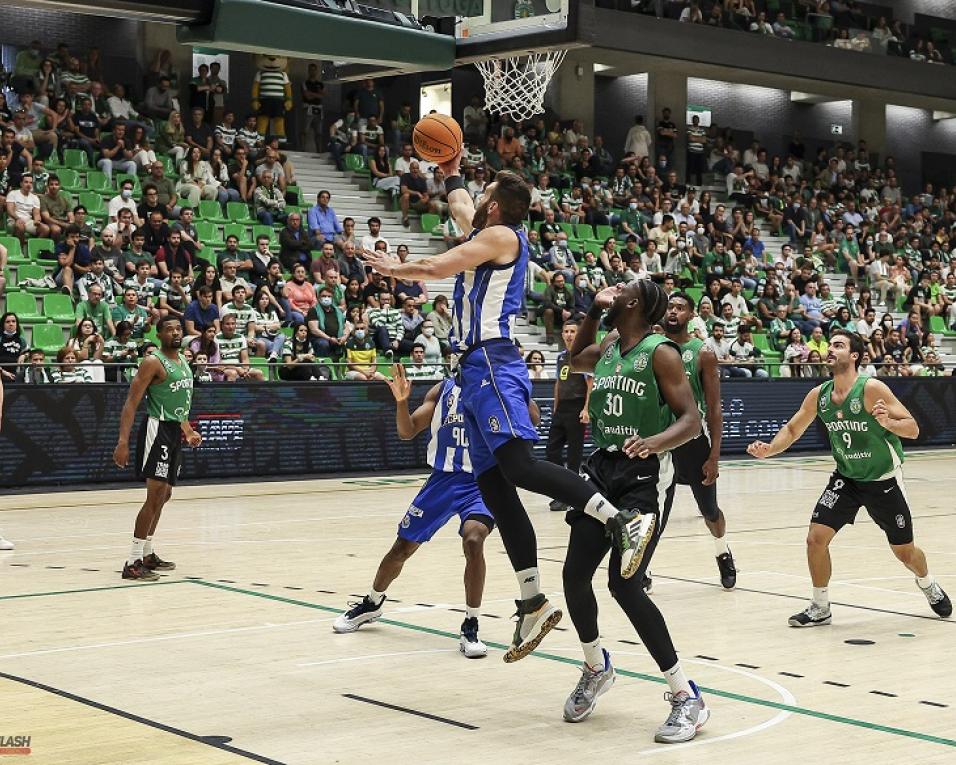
{"points": [[516, 85]]}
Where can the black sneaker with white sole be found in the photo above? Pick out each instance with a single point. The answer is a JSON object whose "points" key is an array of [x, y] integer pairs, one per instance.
{"points": [[361, 612], [727, 569], [938, 600], [813, 615]]}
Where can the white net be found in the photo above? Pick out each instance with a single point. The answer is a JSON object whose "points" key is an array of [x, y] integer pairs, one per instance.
{"points": [[516, 85]]}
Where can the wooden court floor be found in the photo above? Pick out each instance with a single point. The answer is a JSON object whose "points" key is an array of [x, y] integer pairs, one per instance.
{"points": [[231, 658]]}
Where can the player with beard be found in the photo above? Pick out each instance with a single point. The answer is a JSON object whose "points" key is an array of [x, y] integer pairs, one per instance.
{"points": [[641, 408], [864, 422], [489, 294], [167, 382], [696, 462]]}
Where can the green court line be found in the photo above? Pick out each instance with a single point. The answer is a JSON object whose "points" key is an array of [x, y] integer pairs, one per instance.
{"points": [[91, 589], [625, 672]]}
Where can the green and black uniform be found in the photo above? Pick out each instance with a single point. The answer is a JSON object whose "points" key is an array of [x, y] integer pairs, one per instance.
{"points": [[625, 400], [869, 461], [159, 446], [689, 458]]}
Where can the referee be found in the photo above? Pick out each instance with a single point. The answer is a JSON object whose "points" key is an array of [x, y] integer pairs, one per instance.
{"points": [[569, 415]]}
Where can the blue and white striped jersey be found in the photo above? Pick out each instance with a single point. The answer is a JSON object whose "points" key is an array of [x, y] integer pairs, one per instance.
{"points": [[488, 299], [448, 447]]}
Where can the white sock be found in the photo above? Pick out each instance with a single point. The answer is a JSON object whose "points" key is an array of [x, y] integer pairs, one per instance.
{"points": [[721, 546], [148, 547], [471, 613], [821, 596], [529, 582], [600, 508], [136, 551], [677, 680], [925, 581], [593, 654], [375, 596]]}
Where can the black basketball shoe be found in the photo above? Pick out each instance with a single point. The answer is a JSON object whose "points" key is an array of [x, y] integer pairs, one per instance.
{"points": [[728, 571]]}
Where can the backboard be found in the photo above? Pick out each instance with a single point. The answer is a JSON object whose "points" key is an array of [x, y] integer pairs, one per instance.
{"points": [[509, 18]]}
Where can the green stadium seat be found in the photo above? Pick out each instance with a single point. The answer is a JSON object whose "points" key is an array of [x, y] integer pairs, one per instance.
{"points": [[15, 255], [120, 177], [295, 191], [70, 180], [238, 212], [58, 308], [355, 163], [260, 230], [93, 203], [36, 246], [938, 325], [168, 167], [696, 293], [31, 271], [427, 308], [431, 224], [568, 228], [761, 341], [210, 210], [584, 231], [24, 305], [98, 182], [604, 232], [49, 337], [75, 159], [239, 230], [209, 234]]}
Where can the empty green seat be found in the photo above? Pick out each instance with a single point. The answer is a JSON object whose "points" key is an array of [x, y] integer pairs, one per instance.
{"points": [[584, 231], [14, 251], [238, 230], [70, 179], [97, 181], [259, 230], [209, 233], [431, 224], [36, 246], [24, 305], [93, 203], [58, 307], [48, 337], [355, 163], [75, 159], [210, 210], [238, 212]]}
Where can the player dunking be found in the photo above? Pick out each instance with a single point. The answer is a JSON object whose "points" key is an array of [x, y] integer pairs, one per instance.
{"points": [[641, 408], [167, 382], [864, 422], [450, 490], [697, 462], [496, 389]]}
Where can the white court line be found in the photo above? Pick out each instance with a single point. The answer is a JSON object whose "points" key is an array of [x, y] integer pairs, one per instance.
{"points": [[161, 638]]}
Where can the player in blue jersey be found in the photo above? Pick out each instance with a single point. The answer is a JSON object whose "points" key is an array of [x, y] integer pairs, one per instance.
{"points": [[490, 268], [450, 490]]}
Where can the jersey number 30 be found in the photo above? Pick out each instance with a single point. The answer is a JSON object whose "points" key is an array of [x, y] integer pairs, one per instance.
{"points": [[614, 405]]}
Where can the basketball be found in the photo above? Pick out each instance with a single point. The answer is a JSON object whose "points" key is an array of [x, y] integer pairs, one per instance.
{"points": [[437, 137]]}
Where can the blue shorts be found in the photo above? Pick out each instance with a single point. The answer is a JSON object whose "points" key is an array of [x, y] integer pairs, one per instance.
{"points": [[442, 496], [495, 393]]}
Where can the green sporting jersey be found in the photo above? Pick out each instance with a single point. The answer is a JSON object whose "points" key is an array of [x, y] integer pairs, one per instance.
{"points": [[862, 448], [626, 399], [689, 353], [170, 399]]}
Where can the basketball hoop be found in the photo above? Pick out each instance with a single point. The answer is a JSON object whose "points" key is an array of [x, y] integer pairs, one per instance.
{"points": [[516, 85]]}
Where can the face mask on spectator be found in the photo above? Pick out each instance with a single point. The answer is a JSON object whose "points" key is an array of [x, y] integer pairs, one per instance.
{"points": [[582, 283], [428, 331], [360, 334], [700, 230], [632, 205], [596, 187], [126, 193], [563, 244], [325, 301]]}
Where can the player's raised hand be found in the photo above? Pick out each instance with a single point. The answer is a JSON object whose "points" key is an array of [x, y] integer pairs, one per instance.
{"points": [[453, 165], [880, 413], [400, 385], [759, 449], [605, 297], [382, 262]]}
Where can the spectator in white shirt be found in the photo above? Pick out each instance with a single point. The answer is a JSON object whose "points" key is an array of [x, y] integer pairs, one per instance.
{"points": [[23, 211], [123, 200]]}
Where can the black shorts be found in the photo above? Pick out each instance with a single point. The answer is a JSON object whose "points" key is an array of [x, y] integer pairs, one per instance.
{"points": [[159, 453], [647, 485], [885, 501], [689, 462], [272, 107]]}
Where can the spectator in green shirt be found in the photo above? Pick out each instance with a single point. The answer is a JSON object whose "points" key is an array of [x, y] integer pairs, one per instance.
{"points": [[130, 310], [94, 308], [781, 327]]}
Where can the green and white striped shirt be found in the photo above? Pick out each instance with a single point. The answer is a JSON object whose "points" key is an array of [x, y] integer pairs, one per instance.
{"points": [[243, 315], [390, 318], [271, 84], [230, 348]]}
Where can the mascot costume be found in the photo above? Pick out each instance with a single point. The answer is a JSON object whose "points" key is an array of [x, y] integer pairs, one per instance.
{"points": [[272, 95]]}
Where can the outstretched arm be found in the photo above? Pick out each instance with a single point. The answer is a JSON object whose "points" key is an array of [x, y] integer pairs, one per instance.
{"points": [[790, 432], [410, 424], [710, 379], [585, 351], [887, 410], [461, 206], [148, 371]]}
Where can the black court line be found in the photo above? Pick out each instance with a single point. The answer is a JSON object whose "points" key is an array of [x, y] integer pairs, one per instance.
{"points": [[934, 704], [789, 674], [884, 693], [628, 642], [426, 715], [216, 742], [708, 658], [747, 666], [834, 682], [803, 598]]}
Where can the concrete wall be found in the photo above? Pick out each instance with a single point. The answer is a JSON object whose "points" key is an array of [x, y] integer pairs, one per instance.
{"points": [[909, 133]]}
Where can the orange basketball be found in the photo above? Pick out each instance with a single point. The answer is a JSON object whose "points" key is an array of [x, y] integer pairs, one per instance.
{"points": [[437, 137]]}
